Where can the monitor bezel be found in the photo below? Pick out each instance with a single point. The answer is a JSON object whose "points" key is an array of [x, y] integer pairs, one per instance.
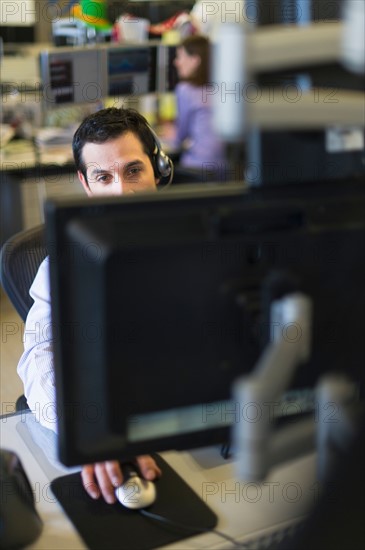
{"points": [[330, 206]]}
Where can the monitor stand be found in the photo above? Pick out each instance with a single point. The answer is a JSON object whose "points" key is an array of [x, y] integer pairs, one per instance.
{"points": [[111, 526]]}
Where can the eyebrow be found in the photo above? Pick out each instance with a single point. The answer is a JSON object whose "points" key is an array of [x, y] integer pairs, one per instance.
{"points": [[127, 166]]}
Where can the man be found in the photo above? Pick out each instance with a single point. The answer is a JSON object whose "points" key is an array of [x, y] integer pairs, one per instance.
{"points": [[115, 153]]}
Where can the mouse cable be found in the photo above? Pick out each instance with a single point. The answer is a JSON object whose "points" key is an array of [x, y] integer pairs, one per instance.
{"points": [[191, 528]]}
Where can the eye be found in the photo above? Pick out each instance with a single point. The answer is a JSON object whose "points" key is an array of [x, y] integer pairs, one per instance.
{"points": [[104, 178], [134, 172]]}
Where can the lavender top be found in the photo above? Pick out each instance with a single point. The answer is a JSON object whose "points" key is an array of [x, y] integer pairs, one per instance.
{"points": [[194, 127]]}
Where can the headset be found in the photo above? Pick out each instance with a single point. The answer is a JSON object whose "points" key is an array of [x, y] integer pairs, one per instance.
{"points": [[162, 164]]}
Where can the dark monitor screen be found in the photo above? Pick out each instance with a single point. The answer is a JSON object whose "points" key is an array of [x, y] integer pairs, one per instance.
{"points": [[158, 305], [299, 12], [274, 157], [13, 34], [131, 70], [167, 74], [172, 76]]}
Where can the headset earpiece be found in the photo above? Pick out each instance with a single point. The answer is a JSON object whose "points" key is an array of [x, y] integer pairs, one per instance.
{"points": [[162, 163]]}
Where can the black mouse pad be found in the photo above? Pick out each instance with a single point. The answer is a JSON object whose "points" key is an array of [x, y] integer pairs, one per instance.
{"points": [[112, 526]]}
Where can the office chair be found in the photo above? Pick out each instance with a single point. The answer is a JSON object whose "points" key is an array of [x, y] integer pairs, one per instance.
{"points": [[20, 258]]}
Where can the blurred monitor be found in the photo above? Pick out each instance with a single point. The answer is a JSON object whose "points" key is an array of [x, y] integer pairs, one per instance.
{"points": [[167, 74], [299, 12], [81, 75], [159, 303], [131, 69], [293, 157], [73, 76], [17, 34], [18, 21]]}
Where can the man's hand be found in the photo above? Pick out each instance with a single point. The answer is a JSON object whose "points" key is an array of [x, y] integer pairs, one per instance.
{"points": [[104, 477]]}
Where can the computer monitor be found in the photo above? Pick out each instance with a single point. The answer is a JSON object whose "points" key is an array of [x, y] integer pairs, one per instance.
{"points": [[131, 69], [72, 76], [80, 75], [299, 12], [158, 305], [167, 77], [281, 156]]}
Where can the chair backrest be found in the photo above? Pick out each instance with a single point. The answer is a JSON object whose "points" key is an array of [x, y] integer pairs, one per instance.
{"points": [[20, 258]]}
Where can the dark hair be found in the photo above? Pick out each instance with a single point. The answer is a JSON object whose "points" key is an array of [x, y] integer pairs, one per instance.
{"points": [[109, 124], [198, 45]]}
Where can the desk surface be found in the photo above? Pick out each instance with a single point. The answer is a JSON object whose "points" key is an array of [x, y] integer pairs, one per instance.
{"points": [[245, 510], [22, 155]]}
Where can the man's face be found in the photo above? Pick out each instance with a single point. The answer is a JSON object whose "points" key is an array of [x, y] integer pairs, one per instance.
{"points": [[117, 167]]}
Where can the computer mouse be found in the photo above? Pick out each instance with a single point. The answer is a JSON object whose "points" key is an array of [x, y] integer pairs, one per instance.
{"points": [[135, 491], [20, 524]]}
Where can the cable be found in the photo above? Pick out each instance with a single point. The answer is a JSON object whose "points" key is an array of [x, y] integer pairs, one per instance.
{"points": [[157, 517]]}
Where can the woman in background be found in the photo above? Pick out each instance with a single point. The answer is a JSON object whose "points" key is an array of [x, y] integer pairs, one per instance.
{"points": [[193, 131]]}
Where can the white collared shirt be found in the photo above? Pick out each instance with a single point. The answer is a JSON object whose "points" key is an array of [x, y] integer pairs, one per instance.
{"points": [[36, 365]]}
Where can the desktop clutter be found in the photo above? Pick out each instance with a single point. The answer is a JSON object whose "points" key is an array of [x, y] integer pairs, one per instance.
{"points": [[88, 22]]}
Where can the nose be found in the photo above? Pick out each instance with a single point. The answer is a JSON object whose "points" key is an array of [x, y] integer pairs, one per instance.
{"points": [[118, 187], [123, 187]]}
